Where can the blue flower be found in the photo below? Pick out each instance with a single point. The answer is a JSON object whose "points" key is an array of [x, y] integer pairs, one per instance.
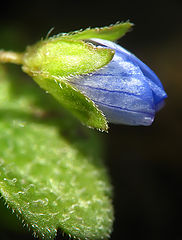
{"points": [[125, 90]]}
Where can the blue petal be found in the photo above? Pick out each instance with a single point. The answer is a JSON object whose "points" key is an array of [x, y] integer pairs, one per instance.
{"points": [[156, 86], [120, 90], [124, 116]]}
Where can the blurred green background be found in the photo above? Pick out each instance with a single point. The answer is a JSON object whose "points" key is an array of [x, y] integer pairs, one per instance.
{"points": [[145, 163]]}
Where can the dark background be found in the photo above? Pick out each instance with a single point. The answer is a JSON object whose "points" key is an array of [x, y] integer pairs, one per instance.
{"points": [[145, 163]]}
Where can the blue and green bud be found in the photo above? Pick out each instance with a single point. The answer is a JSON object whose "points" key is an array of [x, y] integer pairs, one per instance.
{"points": [[94, 78]]}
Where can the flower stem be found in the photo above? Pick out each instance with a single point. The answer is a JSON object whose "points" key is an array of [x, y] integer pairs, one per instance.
{"points": [[11, 57]]}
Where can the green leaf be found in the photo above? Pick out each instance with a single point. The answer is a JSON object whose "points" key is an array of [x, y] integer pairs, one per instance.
{"points": [[112, 32], [51, 172]]}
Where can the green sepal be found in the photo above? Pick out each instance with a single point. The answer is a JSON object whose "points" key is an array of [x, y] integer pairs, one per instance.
{"points": [[65, 58], [73, 100], [112, 32]]}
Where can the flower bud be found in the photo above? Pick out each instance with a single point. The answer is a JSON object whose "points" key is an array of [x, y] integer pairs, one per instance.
{"points": [[96, 79]]}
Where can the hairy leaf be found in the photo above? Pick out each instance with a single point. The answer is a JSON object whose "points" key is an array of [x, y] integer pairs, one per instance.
{"points": [[51, 173]]}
